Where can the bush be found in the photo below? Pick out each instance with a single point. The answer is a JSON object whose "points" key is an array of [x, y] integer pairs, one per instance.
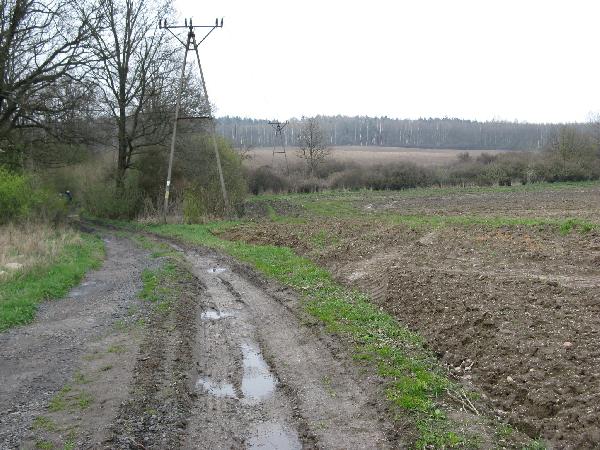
{"points": [[101, 199], [15, 194], [201, 187], [20, 199], [352, 179], [264, 179], [399, 176]]}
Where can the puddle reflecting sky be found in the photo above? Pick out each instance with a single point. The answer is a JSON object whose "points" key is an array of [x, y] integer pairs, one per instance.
{"points": [[216, 389], [258, 382], [211, 314]]}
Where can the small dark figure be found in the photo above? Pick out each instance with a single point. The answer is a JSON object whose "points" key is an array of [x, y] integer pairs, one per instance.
{"points": [[69, 196]]}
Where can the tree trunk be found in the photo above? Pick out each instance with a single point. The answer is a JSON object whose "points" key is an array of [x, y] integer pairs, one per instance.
{"points": [[122, 151]]}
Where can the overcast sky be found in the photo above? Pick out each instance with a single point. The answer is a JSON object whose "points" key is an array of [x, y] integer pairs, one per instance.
{"points": [[530, 60]]}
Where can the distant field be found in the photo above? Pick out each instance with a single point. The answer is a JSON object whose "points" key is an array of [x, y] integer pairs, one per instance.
{"points": [[261, 156]]}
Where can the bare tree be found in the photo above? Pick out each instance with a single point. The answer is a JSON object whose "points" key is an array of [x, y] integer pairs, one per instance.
{"points": [[133, 74], [311, 141], [42, 44]]}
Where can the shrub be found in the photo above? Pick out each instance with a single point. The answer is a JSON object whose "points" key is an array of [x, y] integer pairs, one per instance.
{"points": [[101, 199], [15, 194], [264, 179], [200, 178], [21, 200], [399, 176], [353, 179]]}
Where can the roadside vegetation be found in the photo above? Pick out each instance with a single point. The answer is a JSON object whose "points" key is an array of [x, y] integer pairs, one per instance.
{"points": [[41, 257], [64, 258]]}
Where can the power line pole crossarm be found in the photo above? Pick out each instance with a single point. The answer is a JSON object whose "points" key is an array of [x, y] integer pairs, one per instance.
{"points": [[192, 44]]}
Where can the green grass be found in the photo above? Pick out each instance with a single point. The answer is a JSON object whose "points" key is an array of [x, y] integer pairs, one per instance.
{"points": [[156, 287], [44, 445], [350, 205], [159, 249], [43, 423], [117, 349], [59, 401], [83, 400], [414, 380], [20, 296], [162, 286], [564, 226], [68, 399]]}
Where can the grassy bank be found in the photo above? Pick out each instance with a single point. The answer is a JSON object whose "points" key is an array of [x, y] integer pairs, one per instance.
{"points": [[51, 278]]}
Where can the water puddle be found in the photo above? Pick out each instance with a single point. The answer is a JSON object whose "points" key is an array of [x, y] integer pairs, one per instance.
{"points": [[81, 289], [177, 247], [272, 435], [258, 383], [216, 389], [211, 314], [216, 270]]}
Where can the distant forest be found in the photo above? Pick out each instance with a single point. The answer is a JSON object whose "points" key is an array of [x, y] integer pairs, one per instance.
{"points": [[386, 132]]}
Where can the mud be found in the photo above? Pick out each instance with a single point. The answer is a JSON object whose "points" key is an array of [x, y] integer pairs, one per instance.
{"points": [[513, 311], [161, 394], [261, 376]]}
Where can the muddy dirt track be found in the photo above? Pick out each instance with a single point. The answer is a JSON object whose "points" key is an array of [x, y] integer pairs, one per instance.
{"points": [[40, 359], [512, 311], [233, 364]]}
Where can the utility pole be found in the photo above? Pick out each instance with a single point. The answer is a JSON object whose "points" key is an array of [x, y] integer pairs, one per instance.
{"points": [[192, 44], [278, 127]]}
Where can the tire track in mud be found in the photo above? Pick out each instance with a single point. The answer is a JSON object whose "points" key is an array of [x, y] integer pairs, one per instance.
{"points": [[157, 411], [264, 379]]}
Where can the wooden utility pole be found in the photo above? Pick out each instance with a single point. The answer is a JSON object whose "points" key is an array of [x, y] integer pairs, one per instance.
{"points": [[192, 44]]}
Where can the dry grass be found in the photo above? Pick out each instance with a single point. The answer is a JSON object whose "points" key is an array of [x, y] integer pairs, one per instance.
{"points": [[31, 245], [368, 156]]}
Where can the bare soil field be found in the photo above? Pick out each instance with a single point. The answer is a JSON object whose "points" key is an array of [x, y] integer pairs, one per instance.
{"points": [[521, 202], [367, 156], [510, 307]]}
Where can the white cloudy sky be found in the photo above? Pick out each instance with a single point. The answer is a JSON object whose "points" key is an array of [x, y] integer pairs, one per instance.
{"points": [[530, 60]]}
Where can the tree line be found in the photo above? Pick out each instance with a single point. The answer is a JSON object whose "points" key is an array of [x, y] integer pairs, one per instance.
{"points": [[388, 132]]}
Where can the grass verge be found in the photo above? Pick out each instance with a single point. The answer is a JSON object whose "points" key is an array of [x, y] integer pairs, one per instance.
{"points": [[415, 382], [20, 295]]}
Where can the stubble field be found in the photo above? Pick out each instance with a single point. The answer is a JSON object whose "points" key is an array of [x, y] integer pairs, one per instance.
{"points": [[366, 155]]}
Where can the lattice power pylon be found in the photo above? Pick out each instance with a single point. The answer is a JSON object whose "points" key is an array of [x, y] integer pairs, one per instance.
{"points": [[279, 142], [192, 44]]}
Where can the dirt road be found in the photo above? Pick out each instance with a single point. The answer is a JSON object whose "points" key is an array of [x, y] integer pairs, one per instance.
{"points": [[40, 359], [234, 364]]}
